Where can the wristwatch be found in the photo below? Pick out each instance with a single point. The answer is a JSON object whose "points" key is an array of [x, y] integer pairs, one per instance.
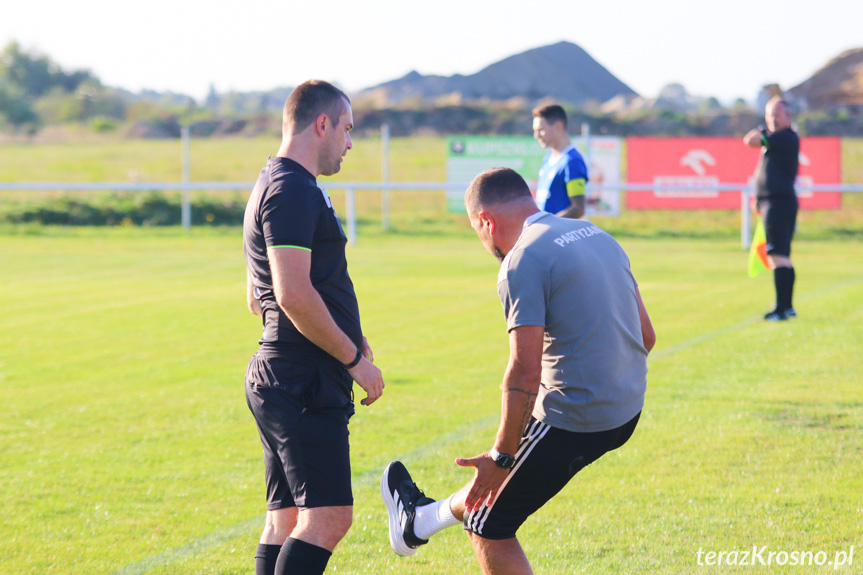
{"points": [[356, 360], [502, 460]]}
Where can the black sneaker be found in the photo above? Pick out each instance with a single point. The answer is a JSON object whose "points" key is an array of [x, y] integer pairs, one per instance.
{"points": [[402, 497], [776, 315], [789, 312]]}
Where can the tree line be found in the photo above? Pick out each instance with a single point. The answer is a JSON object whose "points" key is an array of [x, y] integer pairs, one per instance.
{"points": [[36, 92]]}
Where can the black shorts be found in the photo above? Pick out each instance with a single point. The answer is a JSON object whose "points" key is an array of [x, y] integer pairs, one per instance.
{"points": [[301, 404], [780, 219], [546, 460]]}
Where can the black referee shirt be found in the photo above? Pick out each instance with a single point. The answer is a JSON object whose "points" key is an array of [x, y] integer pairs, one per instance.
{"points": [[288, 209], [777, 169]]}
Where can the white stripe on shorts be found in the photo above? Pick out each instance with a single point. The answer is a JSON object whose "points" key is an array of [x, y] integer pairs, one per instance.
{"points": [[536, 431]]}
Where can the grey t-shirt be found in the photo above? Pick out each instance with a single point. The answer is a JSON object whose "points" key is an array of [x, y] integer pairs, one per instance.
{"points": [[574, 279]]}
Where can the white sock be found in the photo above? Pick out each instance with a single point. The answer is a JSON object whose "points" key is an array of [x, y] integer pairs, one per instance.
{"points": [[434, 517]]}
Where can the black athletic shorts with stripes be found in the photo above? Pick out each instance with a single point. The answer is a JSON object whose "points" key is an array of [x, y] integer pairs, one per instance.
{"points": [[546, 460], [301, 403]]}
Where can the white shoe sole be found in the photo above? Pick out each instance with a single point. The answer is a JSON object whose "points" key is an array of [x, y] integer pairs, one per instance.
{"points": [[397, 541]]}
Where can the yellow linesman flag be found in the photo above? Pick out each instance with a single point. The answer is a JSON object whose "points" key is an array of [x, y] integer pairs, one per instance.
{"points": [[758, 251]]}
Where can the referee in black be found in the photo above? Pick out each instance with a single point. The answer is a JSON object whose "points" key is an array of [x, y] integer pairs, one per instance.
{"points": [[299, 385], [776, 198]]}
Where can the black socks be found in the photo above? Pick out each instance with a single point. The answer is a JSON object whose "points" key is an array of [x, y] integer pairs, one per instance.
{"points": [[265, 559], [301, 558], [783, 278]]}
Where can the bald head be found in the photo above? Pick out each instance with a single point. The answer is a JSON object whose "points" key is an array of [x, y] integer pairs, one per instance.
{"points": [[496, 188], [777, 113]]}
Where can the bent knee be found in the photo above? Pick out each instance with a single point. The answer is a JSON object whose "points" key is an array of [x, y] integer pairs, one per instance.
{"points": [[281, 517], [324, 526], [342, 520]]}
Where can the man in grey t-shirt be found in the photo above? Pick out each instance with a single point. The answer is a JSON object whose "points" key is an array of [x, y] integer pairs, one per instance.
{"points": [[574, 387], [573, 279]]}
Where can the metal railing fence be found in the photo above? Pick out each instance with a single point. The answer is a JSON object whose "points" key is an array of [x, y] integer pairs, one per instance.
{"points": [[385, 187]]}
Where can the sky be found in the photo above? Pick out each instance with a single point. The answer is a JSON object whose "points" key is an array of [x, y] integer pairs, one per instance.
{"points": [[725, 49]]}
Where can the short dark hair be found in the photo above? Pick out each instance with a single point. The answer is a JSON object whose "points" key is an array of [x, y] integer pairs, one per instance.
{"points": [[308, 101], [551, 113], [496, 186]]}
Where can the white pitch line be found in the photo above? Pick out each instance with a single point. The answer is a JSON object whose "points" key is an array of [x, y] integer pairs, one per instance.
{"points": [[370, 477], [665, 352], [373, 475]]}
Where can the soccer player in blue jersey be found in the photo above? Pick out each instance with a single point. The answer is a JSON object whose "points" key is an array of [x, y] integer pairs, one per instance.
{"points": [[563, 176]]}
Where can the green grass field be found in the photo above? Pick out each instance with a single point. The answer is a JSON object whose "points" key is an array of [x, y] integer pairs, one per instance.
{"points": [[127, 446], [239, 159]]}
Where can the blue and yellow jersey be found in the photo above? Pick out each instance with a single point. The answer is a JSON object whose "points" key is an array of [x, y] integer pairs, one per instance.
{"points": [[560, 180]]}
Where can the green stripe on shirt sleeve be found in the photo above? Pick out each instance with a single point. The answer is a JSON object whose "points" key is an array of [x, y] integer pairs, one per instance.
{"points": [[295, 247], [764, 141]]}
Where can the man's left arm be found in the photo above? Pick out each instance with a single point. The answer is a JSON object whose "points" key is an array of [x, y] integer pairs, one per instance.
{"points": [[575, 192], [520, 389], [575, 180], [252, 302], [648, 334]]}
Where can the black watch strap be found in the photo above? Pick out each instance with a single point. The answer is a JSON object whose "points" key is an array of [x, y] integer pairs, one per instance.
{"points": [[356, 360], [502, 460]]}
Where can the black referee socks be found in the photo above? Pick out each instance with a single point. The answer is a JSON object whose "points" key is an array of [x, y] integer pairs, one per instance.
{"points": [[783, 278], [265, 559], [301, 558]]}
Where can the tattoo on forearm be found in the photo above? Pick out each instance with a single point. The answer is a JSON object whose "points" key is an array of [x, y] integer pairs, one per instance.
{"points": [[528, 406], [529, 394], [525, 419]]}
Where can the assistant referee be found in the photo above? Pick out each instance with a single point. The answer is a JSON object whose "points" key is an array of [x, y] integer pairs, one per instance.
{"points": [[777, 199]]}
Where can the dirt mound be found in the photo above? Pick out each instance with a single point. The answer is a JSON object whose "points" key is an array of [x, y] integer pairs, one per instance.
{"points": [[837, 84], [563, 72]]}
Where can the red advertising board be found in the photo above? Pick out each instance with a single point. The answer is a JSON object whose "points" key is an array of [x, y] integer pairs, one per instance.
{"points": [[705, 163]]}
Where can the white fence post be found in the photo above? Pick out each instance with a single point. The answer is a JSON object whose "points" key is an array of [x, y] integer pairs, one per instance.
{"points": [[351, 209], [385, 168], [585, 133], [186, 209], [744, 218]]}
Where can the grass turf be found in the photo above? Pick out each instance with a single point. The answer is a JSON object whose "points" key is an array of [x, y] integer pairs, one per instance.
{"points": [[127, 446]]}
